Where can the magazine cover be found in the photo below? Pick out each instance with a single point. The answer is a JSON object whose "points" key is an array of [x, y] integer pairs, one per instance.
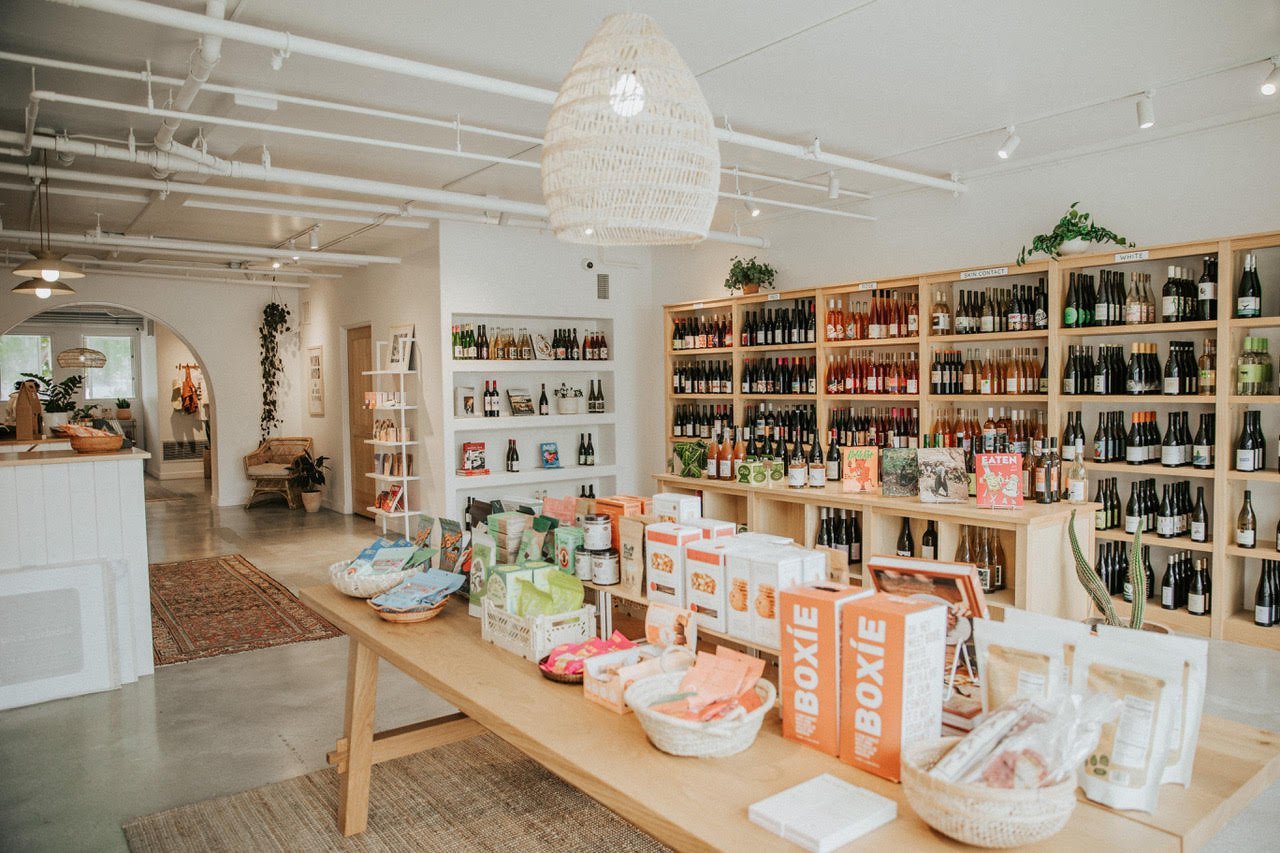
{"points": [[899, 472], [999, 479], [942, 476], [956, 587], [473, 458], [860, 469]]}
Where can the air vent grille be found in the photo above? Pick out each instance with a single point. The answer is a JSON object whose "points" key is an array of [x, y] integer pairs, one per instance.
{"points": [[602, 285]]}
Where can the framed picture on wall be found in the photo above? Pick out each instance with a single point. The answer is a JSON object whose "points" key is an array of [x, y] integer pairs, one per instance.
{"points": [[401, 355], [315, 381]]}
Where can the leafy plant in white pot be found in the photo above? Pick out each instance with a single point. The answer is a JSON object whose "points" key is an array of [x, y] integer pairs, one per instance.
{"points": [[1075, 233], [308, 474]]}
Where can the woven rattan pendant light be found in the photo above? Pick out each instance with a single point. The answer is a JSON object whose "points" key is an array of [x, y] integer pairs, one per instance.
{"points": [[81, 357], [630, 156]]}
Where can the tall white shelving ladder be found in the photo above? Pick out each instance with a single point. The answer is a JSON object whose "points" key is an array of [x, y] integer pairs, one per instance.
{"points": [[405, 513]]}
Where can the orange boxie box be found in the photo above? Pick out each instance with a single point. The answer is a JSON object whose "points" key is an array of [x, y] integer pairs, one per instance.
{"points": [[617, 506], [809, 662], [891, 677]]}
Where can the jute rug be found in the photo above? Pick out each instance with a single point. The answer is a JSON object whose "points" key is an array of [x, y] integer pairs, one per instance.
{"points": [[476, 794], [223, 605]]}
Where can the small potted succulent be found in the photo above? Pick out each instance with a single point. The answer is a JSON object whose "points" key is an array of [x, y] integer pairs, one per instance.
{"points": [[1073, 235], [749, 276], [308, 474], [57, 399], [123, 412]]}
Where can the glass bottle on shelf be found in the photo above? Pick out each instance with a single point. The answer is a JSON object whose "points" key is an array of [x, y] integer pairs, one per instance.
{"points": [[544, 407], [1249, 291], [929, 541], [1253, 369], [1247, 523], [940, 317], [906, 543]]}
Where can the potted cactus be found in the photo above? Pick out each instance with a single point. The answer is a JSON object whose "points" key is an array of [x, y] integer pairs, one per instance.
{"points": [[1102, 598], [123, 412]]}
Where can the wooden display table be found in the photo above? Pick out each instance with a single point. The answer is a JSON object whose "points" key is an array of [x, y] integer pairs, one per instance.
{"points": [[1042, 572], [694, 804]]}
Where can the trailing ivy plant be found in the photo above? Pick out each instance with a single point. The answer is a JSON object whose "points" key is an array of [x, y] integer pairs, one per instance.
{"points": [[275, 322], [1073, 225]]}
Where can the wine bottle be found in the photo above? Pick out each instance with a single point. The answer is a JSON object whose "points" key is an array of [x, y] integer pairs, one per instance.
{"points": [[1200, 518], [1169, 585], [906, 544], [513, 456], [544, 407], [589, 453], [1247, 523], [929, 541], [797, 468], [1249, 291], [1207, 291], [1077, 490], [1198, 590], [833, 458], [1265, 602]]}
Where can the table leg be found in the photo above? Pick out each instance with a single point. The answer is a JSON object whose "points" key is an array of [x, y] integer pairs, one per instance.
{"points": [[604, 606], [362, 701]]}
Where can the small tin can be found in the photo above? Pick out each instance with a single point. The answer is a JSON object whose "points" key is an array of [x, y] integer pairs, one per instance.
{"points": [[604, 567], [598, 532], [582, 564]]}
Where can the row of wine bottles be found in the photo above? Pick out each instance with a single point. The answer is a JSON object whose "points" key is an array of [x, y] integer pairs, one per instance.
{"points": [[1186, 584], [795, 324], [982, 547], [712, 332], [472, 342], [796, 375], [1003, 431], [1017, 309], [874, 427], [550, 458], [1108, 373], [883, 317], [1142, 442], [702, 377], [839, 529], [868, 373], [1024, 370]]}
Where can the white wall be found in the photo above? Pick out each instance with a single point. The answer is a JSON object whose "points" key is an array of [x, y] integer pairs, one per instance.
{"points": [[174, 424], [219, 323]]}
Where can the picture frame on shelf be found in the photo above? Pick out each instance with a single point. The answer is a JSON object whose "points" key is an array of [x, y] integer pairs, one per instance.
{"points": [[315, 381], [550, 453], [464, 402], [521, 402], [400, 355], [942, 475]]}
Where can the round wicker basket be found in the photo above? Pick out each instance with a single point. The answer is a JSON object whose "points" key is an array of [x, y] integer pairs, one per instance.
{"points": [[96, 443], [560, 677], [412, 615], [358, 585], [674, 736], [978, 815]]}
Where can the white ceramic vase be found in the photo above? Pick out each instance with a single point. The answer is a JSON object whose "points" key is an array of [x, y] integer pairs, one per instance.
{"points": [[1075, 246]]}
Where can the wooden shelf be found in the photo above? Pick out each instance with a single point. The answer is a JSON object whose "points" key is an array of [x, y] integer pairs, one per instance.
{"points": [[506, 422], [617, 591], [387, 372], [943, 399], [1254, 476], [873, 342], [785, 398], [1239, 628], [1137, 399], [1254, 322], [979, 337], [536, 475], [776, 347], [1175, 620], [1254, 399], [1151, 469], [1142, 329], [1266, 550], [391, 478], [884, 398], [404, 513], [377, 443], [1178, 543], [394, 408], [547, 365], [702, 351], [675, 396]]}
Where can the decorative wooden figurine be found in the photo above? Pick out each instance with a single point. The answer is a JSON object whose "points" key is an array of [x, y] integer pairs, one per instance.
{"points": [[27, 410]]}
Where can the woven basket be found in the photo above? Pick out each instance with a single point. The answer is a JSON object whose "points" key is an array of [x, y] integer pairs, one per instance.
{"points": [[96, 443], [559, 677], [978, 815], [365, 586], [411, 615], [674, 736]]}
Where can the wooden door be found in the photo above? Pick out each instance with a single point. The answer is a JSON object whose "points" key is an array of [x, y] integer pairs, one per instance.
{"points": [[360, 359]]}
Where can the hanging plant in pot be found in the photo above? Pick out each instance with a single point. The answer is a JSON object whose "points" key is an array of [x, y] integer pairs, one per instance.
{"points": [[749, 276], [275, 322], [308, 474], [1073, 235]]}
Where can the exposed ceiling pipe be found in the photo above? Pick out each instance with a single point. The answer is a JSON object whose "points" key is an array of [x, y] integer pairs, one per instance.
{"points": [[384, 219], [144, 244], [286, 43], [296, 285], [297, 178], [774, 179], [205, 58], [829, 211], [96, 195], [200, 267]]}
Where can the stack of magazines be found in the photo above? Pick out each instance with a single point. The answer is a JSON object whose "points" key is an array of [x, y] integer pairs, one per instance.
{"points": [[422, 591]]}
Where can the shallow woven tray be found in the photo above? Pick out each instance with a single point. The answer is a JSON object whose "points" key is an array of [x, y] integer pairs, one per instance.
{"points": [[410, 616], [559, 677]]}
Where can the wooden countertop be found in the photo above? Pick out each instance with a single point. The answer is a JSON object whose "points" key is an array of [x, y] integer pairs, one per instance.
{"points": [[694, 804], [11, 458], [29, 442]]}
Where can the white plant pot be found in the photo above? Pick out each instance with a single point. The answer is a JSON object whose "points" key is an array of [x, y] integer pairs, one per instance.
{"points": [[568, 405], [55, 419], [311, 501], [1076, 246]]}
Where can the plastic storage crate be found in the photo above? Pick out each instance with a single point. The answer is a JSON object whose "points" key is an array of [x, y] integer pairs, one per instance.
{"points": [[533, 639]]}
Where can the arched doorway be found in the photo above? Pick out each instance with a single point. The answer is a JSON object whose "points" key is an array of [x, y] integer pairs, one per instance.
{"points": [[148, 361]]}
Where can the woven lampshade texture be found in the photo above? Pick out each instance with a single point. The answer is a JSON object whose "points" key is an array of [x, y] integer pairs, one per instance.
{"points": [[81, 357], [630, 157]]}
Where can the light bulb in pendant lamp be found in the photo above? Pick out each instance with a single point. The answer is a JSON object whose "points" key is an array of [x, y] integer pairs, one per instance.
{"points": [[1272, 83], [1146, 112], [630, 156], [42, 289], [49, 267]]}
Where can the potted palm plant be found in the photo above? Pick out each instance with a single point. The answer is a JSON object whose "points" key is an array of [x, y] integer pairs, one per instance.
{"points": [[749, 276], [308, 474], [122, 409], [57, 399]]}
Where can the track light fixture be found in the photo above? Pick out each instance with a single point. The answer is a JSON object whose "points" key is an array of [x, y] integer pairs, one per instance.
{"points": [[833, 186], [751, 206], [293, 249], [1146, 112], [314, 238], [1010, 145], [1272, 83]]}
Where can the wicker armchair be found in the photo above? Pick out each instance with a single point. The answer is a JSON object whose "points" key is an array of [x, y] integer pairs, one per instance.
{"points": [[268, 468]]}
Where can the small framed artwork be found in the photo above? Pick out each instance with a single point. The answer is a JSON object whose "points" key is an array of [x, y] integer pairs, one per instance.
{"points": [[464, 401], [315, 381], [521, 401], [550, 453], [401, 354]]}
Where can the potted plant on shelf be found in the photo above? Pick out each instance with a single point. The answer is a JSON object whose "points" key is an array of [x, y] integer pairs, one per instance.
{"points": [[1102, 598], [308, 474], [58, 399], [122, 409], [749, 276], [1073, 235]]}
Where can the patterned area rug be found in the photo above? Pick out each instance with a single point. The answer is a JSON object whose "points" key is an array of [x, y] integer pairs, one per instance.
{"points": [[476, 794], [223, 605]]}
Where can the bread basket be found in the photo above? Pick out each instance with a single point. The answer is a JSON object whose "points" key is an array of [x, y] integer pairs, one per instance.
{"points": [[405, 617], [978, 815], [96, 443], [359, 585], [674, 736]]}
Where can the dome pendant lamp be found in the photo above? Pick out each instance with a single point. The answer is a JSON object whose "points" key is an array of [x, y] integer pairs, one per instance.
{"points": [[46, 266], [630, 156]]}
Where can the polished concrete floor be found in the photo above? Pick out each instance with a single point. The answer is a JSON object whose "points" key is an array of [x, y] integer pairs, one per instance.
{"points": [[72, 771]]}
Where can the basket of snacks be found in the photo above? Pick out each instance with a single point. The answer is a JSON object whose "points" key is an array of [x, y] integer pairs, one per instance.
{"points": [[419, 598], [348, 579], [676, 735], [90, 440], [409, 616]]}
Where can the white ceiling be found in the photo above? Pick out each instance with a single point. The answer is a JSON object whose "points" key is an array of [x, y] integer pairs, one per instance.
{"points": [[921, 84]]}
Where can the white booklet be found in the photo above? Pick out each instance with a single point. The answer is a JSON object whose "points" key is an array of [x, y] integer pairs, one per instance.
{"points": [[824, 813]]}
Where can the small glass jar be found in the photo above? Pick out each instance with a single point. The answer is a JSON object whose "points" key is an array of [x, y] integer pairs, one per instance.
{"points": [[1253, 368]]}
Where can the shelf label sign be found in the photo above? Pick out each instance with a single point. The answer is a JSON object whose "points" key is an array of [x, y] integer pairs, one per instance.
{"points": [[867, 285], [991, 272], [773, 297], [698, 305], [1121, 257]]}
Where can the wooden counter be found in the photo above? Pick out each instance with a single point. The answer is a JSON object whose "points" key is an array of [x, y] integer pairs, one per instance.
{"points": [[11, 458], [694, 804], [1034, 536]]}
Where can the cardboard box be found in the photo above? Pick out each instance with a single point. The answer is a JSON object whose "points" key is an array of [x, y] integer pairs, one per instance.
{"points": [[755, 538], [601, 681], [664, 560], [677, 508], [500, 587], [772, 570], [738, 588], [616, 507], [712, 529], [508, 523], [562, 510], [809, 663], [891, 678], [704, 584], [568, 541], [631, 551]]}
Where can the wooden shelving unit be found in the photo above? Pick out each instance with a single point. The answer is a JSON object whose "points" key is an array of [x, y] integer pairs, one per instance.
{"points": [[1234, 572], [408, 498]]}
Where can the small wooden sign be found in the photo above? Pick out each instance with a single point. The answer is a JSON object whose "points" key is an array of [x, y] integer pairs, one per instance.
{"points": [[990, 272], [773, 297], [868, 285], [1142, 255]]}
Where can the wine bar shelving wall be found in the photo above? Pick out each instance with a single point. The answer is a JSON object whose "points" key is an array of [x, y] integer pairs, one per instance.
{"points": [[1234, 570]]}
